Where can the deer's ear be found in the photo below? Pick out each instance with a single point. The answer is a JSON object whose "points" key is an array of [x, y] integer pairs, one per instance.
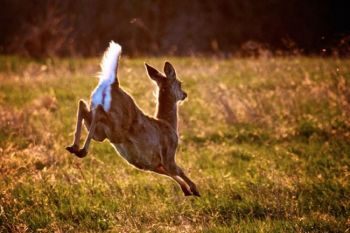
{"points": [[153, 73], [169, 70]]}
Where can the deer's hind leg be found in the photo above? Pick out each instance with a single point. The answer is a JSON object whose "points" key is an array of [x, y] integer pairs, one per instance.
{"points": [[100, 131], [85, 114], [98, 116]]}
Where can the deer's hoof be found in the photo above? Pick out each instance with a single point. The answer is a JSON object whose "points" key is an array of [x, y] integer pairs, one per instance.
{"points": [[72, 149], [196, 193], [187, 194], [81, 153]]}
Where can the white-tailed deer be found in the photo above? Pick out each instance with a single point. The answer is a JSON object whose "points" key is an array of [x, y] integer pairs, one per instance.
{"points": [[147, 143]]}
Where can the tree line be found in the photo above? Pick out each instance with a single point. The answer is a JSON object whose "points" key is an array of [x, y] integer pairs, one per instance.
{"points": [[155, 27]]}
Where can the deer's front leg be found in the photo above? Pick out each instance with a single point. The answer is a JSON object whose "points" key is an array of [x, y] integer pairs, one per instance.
{"points": [[82, 114]]}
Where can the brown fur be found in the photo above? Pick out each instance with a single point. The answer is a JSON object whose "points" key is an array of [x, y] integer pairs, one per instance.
{"points": [[147, 143]]}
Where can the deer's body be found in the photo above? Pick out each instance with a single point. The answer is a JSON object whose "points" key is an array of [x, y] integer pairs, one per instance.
{"points": [[147, 143], [140, 139]]}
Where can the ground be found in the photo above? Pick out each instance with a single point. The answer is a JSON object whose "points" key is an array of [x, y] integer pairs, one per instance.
{"points": [[266, 140]]}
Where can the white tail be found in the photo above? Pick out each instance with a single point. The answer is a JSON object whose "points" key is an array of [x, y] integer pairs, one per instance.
{"points": [[102, 93], [109, 63]]}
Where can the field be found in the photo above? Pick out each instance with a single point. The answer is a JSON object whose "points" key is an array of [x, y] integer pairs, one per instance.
{"points": [[267, 140]]}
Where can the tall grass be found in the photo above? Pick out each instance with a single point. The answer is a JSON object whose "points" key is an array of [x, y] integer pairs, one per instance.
{"points": [[267, 141]]}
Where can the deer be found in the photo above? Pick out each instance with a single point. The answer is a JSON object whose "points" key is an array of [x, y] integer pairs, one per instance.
{"points": [[148, 143]]}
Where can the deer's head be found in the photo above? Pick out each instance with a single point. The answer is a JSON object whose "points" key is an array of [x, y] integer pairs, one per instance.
{"points": [[167, 83]]}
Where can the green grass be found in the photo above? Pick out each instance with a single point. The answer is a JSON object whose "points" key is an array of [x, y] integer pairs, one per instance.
{"points": [[266, 140]]}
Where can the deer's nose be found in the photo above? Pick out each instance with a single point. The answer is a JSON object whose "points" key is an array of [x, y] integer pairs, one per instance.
{"points": [[184, 95]]}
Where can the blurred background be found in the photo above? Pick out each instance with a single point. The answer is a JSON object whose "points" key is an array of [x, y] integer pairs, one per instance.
{"points": [[40, 28]]}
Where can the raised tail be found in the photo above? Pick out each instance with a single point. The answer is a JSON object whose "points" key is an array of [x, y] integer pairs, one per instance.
{"points": [[109, 64]]}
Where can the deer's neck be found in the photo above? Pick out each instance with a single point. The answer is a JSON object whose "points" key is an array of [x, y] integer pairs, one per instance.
{"points": [[167, 110]]}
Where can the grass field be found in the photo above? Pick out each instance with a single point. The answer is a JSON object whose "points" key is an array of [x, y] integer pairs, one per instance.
{"points": [[266, 140]]}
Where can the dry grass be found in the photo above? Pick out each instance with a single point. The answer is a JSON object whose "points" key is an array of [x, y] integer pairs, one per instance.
{"points": [[265, 139]]}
